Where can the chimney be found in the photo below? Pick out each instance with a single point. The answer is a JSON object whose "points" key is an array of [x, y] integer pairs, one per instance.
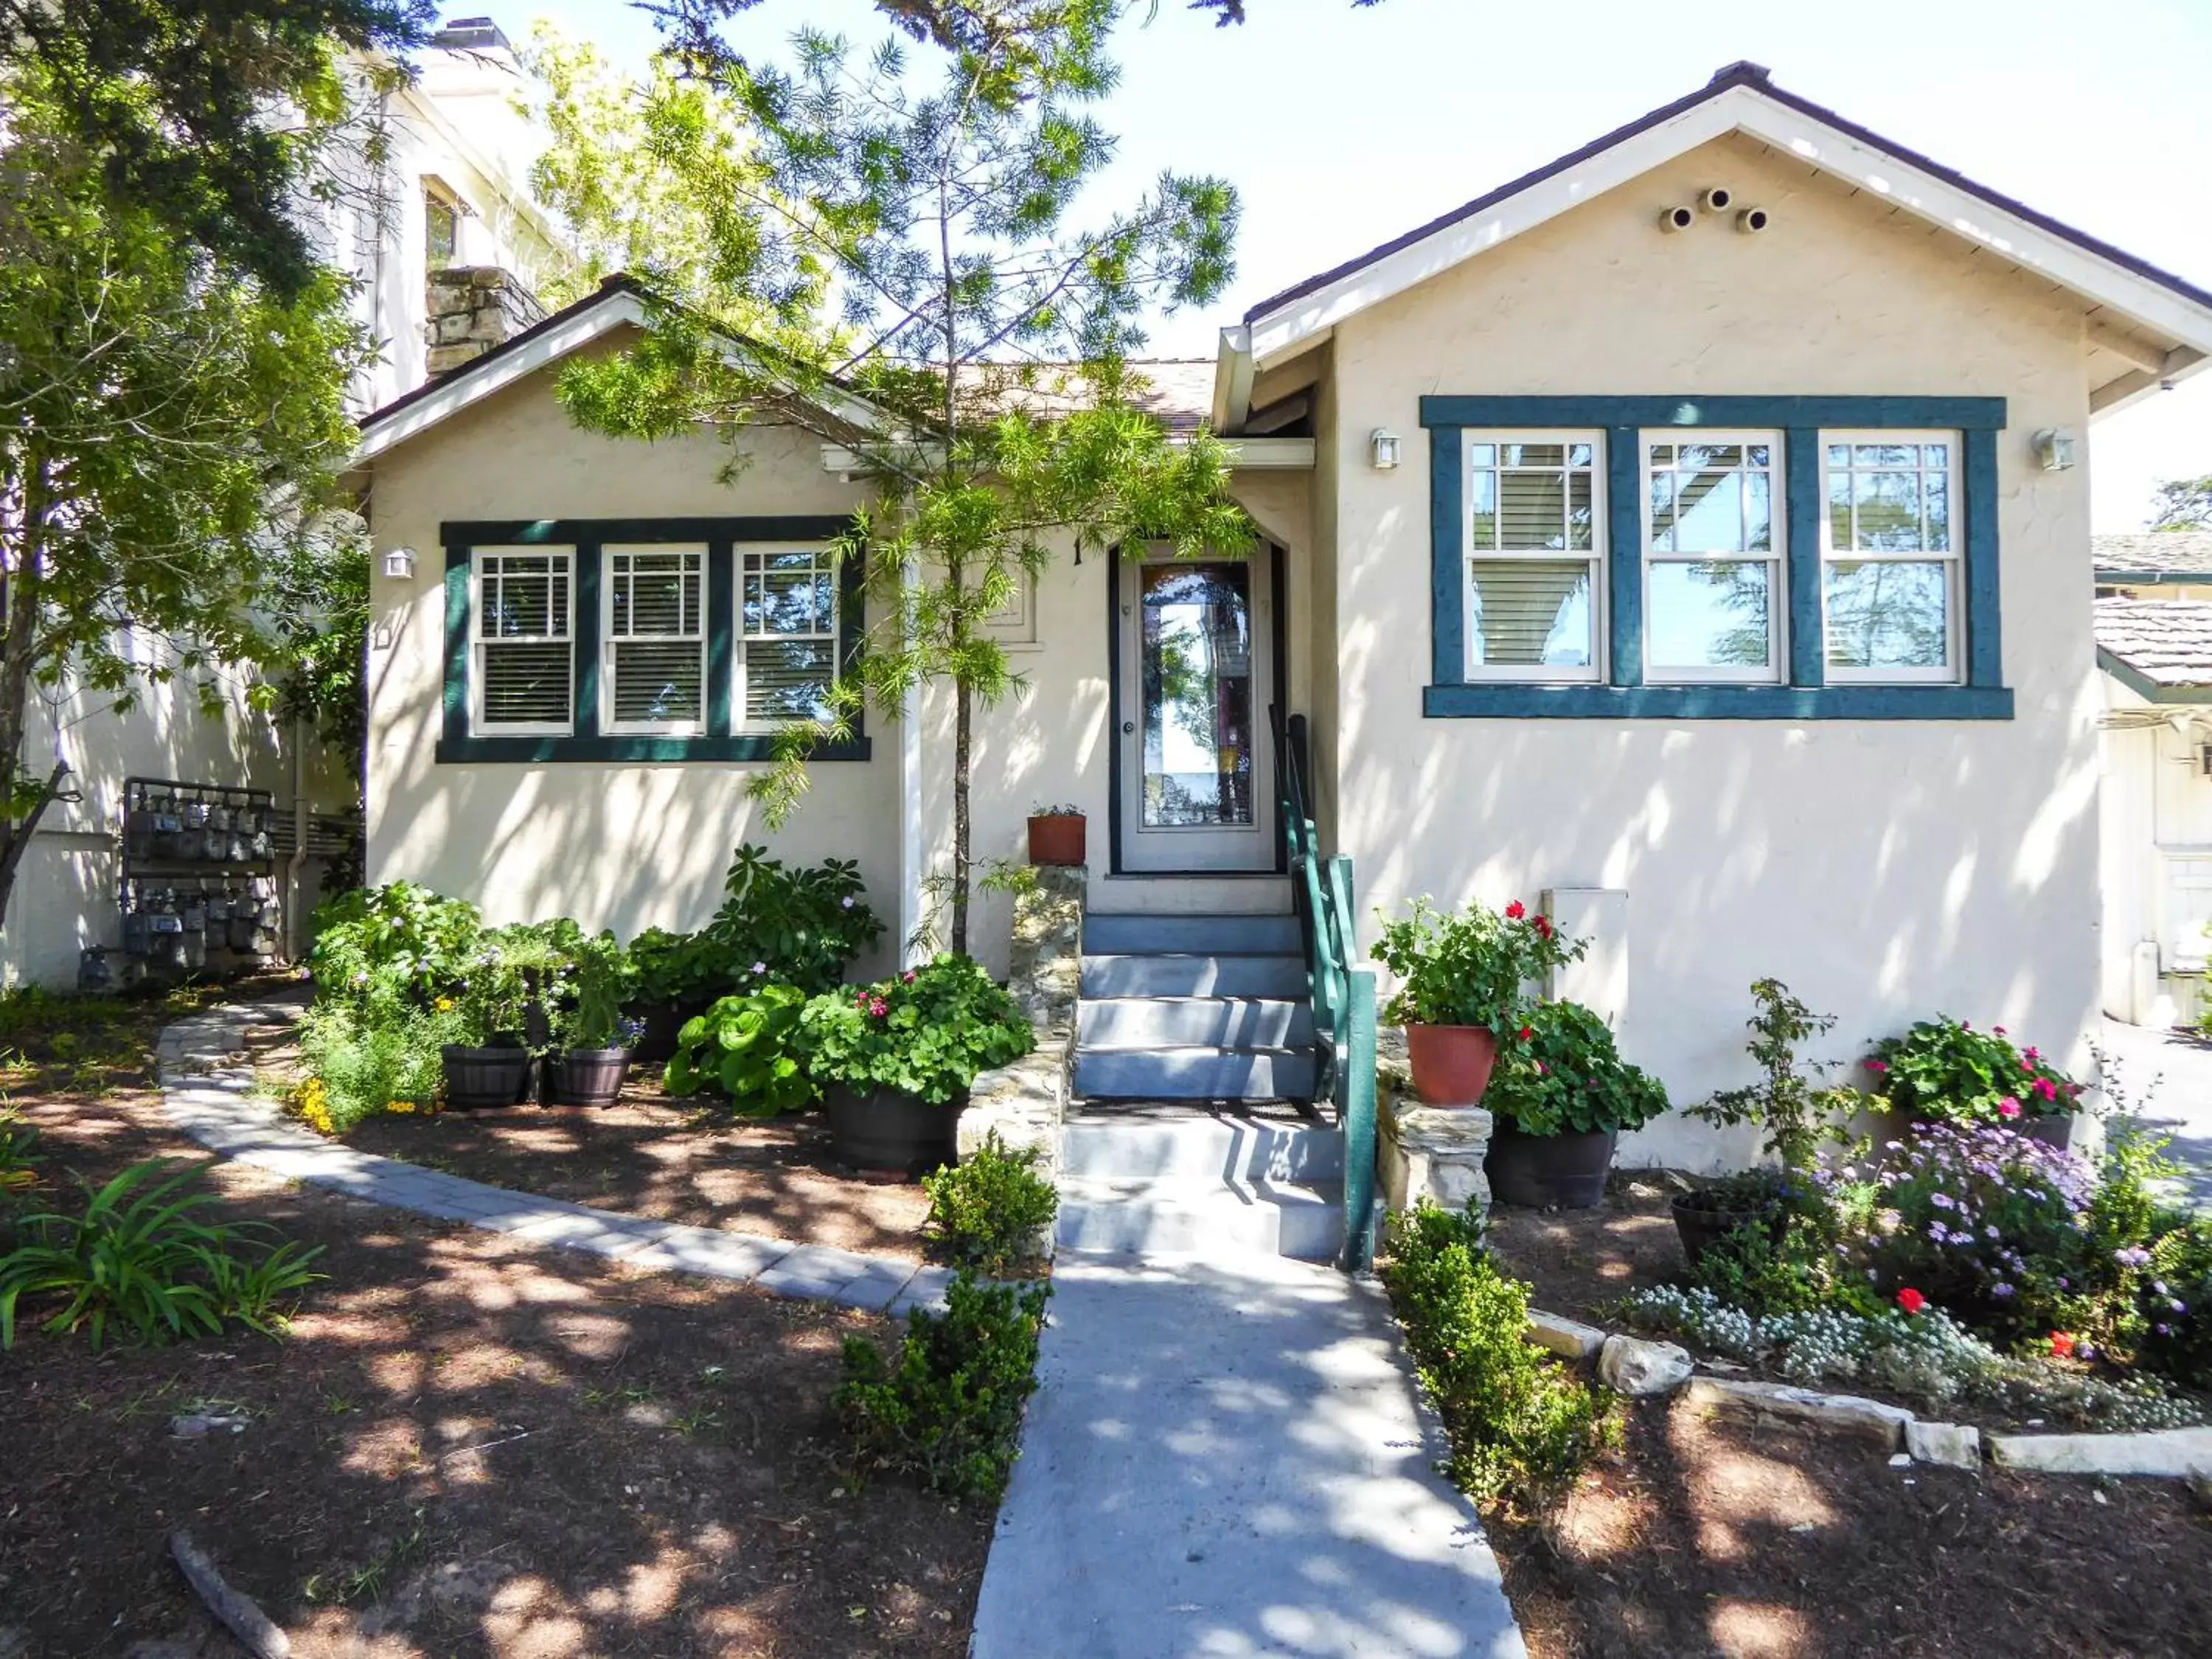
{"points": [[473, 308]]}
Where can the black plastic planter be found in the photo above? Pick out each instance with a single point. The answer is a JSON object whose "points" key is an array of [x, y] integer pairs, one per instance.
{"points": [[485, 1079], [890, 1130], [587, 1077], [1701, 1226], [1548, 1172]]}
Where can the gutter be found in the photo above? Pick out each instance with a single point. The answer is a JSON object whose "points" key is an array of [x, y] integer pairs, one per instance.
{"points": [[1232, 380], [1250, 455]]}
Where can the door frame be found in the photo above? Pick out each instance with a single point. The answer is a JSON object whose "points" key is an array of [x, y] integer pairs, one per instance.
{"points": [[1272, 572]]}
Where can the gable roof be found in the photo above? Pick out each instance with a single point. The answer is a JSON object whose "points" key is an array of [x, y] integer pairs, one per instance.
{"points": [[2159, 647], [2155, 557], [1742, 98]]}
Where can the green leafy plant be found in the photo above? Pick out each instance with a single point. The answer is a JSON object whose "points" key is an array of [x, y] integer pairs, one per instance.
{"points": [[777, 925], [925, 1032], [361, 1063], [988, 1210], [1473, 968], [747, 1047], [1523, 1428], [947, 1410], [142, 1258], [1798, 1247], [2174, 1305], [680, 967], [1944, 1069], [1560, 1072], [1793, 1104], [575, 983], [19, 1153]]}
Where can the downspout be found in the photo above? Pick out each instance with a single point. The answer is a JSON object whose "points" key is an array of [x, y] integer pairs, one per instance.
{"points": [[910, 842], [1232, 381]]}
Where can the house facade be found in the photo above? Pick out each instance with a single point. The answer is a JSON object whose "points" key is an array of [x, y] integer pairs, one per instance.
{"points": [[1674, 537]]}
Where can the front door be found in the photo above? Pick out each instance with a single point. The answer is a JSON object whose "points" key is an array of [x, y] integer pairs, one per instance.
{"points": [[1195, 749]]}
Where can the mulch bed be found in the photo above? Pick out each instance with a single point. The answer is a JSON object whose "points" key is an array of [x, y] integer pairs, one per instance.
{"points": [[468, 1447], [647, 1157], [1710, 1537], [1578, 1262]]}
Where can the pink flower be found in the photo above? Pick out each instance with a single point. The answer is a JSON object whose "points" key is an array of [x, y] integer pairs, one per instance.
{"points": [[878, 1008], [1543, 1070], [1997, 1029], [2030, 1055], [1877, 1066], [909, 977], [2008, 1107], [2046, 1088]]}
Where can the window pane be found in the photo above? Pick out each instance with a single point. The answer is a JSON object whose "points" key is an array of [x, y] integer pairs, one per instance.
{"points": [[525, 684], [525, 596], [1840, 505], [1482, 510], [789, 593], [1890, 613], [1550, 455], [1531, 613], [1533, 510], [1889, 512], [1936, 503], [1710, 614], [658, 595], [658, 681], [1579, 526], [1482, 454], [788, 679]]}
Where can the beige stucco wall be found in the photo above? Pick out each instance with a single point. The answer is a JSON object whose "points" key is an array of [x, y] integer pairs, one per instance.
{"points": [[1883, 870], [616, 845], [2154, 801]]}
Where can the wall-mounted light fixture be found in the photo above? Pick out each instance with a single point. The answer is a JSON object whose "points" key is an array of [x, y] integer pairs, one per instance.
{"points": [[2054, 450], [399, 564], [1382, 448]]}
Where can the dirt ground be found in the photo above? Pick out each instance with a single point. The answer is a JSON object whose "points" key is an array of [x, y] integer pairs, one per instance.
{"points": [[467, 1448], [644, 1157], [1708, 1538], [1576, 1262]]}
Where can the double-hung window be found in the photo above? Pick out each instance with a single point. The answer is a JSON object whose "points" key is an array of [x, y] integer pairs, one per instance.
{"points": [[525, 655], [787, 636], [1535, 555], [653, 676], [1889, 560], [1713, 594]]}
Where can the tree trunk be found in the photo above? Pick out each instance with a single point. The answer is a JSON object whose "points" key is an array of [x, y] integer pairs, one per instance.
{"points": [[962, 707], [19, 608]]}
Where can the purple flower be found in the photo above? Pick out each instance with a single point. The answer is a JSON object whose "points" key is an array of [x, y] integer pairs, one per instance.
{"points": [[2000, 1290], [1941, 1200], [760, 967], [2158, 1287], [2177, 1304], [846, 902], [1991, 1234], [2133, 1256], [2163, 1330], [1938, 1232]]}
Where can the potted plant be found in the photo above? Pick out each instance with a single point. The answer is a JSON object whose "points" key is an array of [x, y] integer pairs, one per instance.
{"points": [[1058, 835], [1944, 1071], [1795, 1107], [894, 1059], [590, 1036], [1559, 1097], [492, 1068], [1461, 980]]}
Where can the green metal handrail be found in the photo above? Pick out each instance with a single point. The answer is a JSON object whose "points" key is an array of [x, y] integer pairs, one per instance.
{"points": [[1343, 997]]}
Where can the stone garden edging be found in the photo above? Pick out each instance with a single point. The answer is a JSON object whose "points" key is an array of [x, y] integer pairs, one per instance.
{"points": [[208, 1092], [2168, 1454]]}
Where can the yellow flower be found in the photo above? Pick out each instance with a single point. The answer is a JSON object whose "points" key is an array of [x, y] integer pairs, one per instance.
{"points": [[444, 1005]]}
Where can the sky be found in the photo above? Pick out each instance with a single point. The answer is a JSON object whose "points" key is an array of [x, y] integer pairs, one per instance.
{"points": [[1341, 127]]}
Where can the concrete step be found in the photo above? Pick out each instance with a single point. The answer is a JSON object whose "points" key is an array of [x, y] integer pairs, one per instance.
{"points": [[1204, 1146], [1216, 935], [1186, 1217], [1193, 1073], [1120, 975], [1183, 1022], [1233, 892]]}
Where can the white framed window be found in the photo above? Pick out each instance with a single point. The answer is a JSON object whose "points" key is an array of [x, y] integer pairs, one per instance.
{"points": [[2185, 909], [653, 615], [522, 646], [1889, 556], [1713, 557], [1535, 556], [787, 616]]}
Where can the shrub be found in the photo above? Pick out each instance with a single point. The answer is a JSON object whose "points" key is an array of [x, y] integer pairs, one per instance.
{"points": [[1472, 968], [802, 926], [575, 983], [1798, 1252], [925, 1032], [2174, 1307], [362, 1062], [1521, 1427], [948, 1410], [1945, 1069], [747, 1047], [1793, 1104], [399, 942], [1559, 1071], [140, 1257], [988, 1210]]}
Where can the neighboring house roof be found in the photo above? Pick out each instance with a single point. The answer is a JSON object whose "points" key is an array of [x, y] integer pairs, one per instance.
{"points": [[2161, 648], [2139, 298], [2155, 557]]}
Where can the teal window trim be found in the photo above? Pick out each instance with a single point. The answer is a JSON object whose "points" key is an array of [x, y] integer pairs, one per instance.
{"points": [[1451, 696], [721, 742]]}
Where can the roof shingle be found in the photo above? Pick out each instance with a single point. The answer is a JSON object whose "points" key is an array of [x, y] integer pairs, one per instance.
{"points": [[2167, 642], [2179, 555]]}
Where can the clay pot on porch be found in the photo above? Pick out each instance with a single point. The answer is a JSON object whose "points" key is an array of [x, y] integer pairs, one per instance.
{"points": [[485, 1079], [1058, 838], [586, 1077], [1548, 1172], [1451, 1064], [890, 1130]]}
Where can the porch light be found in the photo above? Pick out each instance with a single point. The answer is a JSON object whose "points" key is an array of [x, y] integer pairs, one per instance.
{"points": [[399, 564], [1382, 447], [2054, 450]]}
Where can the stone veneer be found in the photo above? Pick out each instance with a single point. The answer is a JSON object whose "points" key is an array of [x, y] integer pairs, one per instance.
{"points": [[1426, 1151], [472, 308], [1025, 1102]]}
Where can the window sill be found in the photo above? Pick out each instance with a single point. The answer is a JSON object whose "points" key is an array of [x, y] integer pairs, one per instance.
{"points": [[1718, 702], [752, 747]]}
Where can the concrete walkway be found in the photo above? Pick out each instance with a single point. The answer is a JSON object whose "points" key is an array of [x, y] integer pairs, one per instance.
{"points": [[2180, 1105], [208, 1090], [1224, 1457]]}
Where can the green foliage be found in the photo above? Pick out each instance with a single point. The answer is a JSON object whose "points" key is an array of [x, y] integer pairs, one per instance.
{"points": [[747, 1047], [1473, 968], [1945, 1069], [19, 1153], [1559, 1071], [67, 1042], [925, 1032], [1523, 1428], [2175, 1304], [576, 982], [1795, 1250], [776, 924], [377, 944], [142, 1259], [1794, 1103], [361, 1063], [2182, 504], [947, 1411], [320, 598], [988, 1210]]}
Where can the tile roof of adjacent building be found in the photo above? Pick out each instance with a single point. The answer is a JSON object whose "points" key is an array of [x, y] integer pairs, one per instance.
{"points": [[2174, 555], [2165, 642]]}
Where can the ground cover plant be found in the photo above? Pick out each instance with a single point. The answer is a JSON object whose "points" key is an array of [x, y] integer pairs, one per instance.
{"points": [[745, 1049]]}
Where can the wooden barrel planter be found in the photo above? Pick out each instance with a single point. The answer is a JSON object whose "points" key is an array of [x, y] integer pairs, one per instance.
{"points": [[587, 1077], [485, 1079], [890, 1130]]}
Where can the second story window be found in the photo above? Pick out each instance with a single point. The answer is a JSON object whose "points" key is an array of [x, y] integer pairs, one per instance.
{"points": [[441, 229], [1713, 595]]}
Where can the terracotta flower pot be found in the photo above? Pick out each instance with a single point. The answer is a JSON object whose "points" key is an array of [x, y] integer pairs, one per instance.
{"points": [[1451, 1064], [1060, 839]]}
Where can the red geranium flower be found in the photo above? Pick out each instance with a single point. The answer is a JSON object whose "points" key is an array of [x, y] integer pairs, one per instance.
{"points": [[2062, 1345], [1910, 1300], [1877, 1066], [1526, 1033], [1542, 925], [1515, 910]]}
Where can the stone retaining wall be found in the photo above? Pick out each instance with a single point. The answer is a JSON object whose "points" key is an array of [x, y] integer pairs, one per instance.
{"points": [[1025, 1102]]}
